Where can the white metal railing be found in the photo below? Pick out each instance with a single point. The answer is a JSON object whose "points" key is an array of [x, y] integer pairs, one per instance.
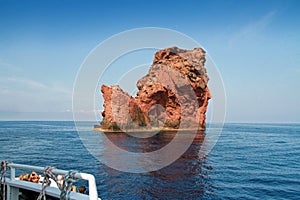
{"points": [[93, 195]]}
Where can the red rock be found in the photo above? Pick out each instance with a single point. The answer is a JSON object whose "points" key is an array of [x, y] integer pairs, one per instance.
{"points": [[173, 94]]}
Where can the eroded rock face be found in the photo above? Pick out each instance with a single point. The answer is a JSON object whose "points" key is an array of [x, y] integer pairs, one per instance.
{"points": [[174, 94]]}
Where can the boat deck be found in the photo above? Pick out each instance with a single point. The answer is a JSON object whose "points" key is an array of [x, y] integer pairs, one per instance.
{"points": [[25, 190]]}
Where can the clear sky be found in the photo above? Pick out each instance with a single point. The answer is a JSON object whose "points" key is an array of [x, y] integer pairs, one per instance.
{"points": [[255, 44]]}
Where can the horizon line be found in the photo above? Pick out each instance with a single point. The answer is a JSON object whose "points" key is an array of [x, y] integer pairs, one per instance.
{"points": [[58, 120]]}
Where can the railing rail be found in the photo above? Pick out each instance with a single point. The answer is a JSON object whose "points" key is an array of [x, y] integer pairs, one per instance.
{"points": [[93, 195]]}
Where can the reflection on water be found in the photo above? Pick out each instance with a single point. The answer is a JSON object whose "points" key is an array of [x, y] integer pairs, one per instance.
{"points": [[186, 178]]}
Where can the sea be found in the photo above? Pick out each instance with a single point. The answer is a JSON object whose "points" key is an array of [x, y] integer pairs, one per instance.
{"points": [[249, 161]]}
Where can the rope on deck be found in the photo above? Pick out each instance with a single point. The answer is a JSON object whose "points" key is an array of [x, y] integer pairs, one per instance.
{"points": [[65, 187], [46, 182], [3, 168]]}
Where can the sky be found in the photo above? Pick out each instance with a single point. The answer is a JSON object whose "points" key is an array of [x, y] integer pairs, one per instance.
{"points": [[254, 44]]}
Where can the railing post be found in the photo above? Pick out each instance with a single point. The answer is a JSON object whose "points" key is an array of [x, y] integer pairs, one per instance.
{"points": [[92, 188], [10, 190], [12, 173]]}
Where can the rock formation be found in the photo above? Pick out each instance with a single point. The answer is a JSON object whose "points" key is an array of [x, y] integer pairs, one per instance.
{"points": [[174, 94]]}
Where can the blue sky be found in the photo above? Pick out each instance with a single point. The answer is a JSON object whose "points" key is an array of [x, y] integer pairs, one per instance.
{"points": [[255, 44]]}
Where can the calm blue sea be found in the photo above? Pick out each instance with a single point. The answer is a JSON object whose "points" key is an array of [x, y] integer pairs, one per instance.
{"points": [[250, 161]]}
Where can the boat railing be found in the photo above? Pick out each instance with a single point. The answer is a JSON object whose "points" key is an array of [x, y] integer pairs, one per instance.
{"points": [[13, 184]]}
